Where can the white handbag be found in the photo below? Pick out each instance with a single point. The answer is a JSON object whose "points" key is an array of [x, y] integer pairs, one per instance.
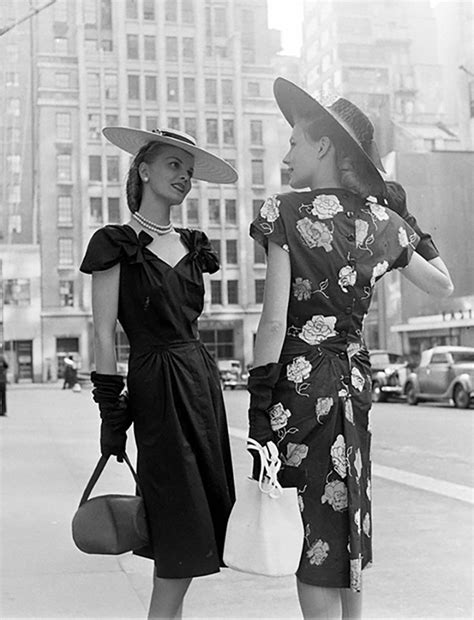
{"points": [[265, 530]]}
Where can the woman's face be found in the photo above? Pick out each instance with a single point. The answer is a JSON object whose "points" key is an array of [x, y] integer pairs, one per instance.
{"points": [[169, 175], [301, 159]]}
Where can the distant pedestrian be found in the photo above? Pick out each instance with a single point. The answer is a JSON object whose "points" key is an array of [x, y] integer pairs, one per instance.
{"points": [[70, 372], [149, 276], [3, 384], [310, 390]]}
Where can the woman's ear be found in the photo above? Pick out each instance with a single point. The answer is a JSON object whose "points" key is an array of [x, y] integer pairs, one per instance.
{"points": [[324, 146], [143, 172]]}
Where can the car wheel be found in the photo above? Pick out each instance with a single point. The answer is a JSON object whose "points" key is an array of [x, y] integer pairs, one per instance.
{"points": [[461, 397], [410, 392], [377, 395]]}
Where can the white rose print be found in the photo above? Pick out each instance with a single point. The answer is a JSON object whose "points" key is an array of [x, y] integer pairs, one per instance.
{"points": [[366, 525], [269, 211], [278, 416], [315, 234], [357, 379], [379, 213], [323, 407], [318, 328], [302, 289], [362, 237], [348, 410], [300, 503], [299, 370], [326, 206], [347, 277], [338, 456], [403, 237], [295, 453], [318, 552], [358, 464], [368, 490], [378, 271], [335, 494], [356, 574], [357, 519]]}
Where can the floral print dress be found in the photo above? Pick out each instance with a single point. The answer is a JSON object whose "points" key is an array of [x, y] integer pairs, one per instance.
{"points": [[339, 246]]}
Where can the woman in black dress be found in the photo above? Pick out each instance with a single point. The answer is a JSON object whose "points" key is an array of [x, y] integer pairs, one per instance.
{"points": [[311, 387], [149, 275]]}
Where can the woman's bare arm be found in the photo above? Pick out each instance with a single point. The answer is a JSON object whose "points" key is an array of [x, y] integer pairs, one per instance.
{"points": [[272, 326], [105, 292], [431, 277]]}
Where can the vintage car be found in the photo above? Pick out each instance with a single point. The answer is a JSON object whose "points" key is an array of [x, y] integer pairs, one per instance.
{"points": [[445, 373], [389, 373], [231, 374]]}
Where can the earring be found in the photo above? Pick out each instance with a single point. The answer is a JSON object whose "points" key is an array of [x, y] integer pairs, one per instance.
{"points": [[145, 179]]}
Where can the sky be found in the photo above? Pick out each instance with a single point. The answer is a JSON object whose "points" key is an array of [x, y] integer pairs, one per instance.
{"points": [[287, 16]]}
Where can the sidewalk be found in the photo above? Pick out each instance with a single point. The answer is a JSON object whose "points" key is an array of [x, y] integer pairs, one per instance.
{"points": [[49, 448]]}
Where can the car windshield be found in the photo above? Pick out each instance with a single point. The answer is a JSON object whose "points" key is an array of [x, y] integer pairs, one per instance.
{"points": [[463, 356], [384, 359]]}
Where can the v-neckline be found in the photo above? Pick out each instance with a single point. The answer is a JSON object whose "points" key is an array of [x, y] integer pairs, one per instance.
{"points": [[182, 239]]}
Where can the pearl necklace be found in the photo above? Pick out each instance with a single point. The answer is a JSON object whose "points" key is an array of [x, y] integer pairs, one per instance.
{"points": [[148, 224]]}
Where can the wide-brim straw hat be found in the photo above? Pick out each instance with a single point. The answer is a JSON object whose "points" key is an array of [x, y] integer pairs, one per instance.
{"points": [[207, 166], [343, 119]]}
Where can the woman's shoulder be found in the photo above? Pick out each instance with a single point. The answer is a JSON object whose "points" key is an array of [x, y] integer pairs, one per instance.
{"points": [[106, 247], [200, 248]]}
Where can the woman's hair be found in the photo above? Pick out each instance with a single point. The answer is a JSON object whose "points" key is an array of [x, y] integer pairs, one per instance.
{"points": [[134, 188], [352, 171]]}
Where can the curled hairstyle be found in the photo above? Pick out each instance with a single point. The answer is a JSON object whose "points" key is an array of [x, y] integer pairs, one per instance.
{"points": [[352, 171], [134, 188]]}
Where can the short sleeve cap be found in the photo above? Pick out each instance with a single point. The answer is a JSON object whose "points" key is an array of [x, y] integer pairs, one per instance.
{"points": [[103, 251], [269, 225]]}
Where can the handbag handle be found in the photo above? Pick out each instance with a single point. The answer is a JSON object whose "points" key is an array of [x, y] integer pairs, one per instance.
{"points": [[99, 468], [270, 466]]}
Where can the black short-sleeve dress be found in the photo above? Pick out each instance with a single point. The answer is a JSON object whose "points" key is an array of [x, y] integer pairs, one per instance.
{"points": [[184, 461], [339, 246]]}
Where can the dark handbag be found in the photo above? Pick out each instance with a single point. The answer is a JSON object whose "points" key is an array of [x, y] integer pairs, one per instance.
{"points": [[110, 524]]}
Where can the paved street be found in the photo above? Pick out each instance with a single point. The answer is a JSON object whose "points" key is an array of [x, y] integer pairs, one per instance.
{"points": [[423, 459]]}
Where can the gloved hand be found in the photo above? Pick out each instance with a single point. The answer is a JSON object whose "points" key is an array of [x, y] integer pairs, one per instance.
{"points": [[113, 407], [260, 386]]}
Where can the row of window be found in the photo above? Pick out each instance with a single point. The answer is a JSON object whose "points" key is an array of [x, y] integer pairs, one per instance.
{"points": [[17, 292], [171, 10]]}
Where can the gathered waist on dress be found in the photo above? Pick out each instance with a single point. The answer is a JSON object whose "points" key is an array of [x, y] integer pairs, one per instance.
{"points": [[141, 347], [296, 346]]}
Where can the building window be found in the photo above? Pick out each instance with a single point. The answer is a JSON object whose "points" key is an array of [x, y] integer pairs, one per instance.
{"points": [[132, 46], [150, 47], [259, 256], [187, 11], [113, 172], [231, 251], [150, 88], [257, 172], [151, 122], [95, 168], [149, 10], [14, 164], [227, 92], [259, 291], [61, 45], [13, 106], [211, 131], [228, 131], [133, 87], [177, 214], [62, 80], [216, 292], [256, 132], [65, 253], [188, 48], [107, 45], [172, 88], [232, 291], [190, 126], [14, 223], [66, 293], [93, 85], [131, 8], [60, 12], [113, 208], [219, 342], [111, 120], [256, 206], [63, 167], [216, 246], [63, 125], [253, 89], [173, 122], [230, 211], [220, 25], [214, 211], [106, 14], [171, 11], [111, 91], [211, 90], [11, 78], [189, 94], [192, 211], [134, 121], [171, 49], [17, 292], [64, 211], [95, 210]]}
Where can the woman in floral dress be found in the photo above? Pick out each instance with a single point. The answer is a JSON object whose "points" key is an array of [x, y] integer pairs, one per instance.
{"points": [[311, 385]]}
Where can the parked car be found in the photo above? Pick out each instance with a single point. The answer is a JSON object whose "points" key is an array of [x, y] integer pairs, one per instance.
{"points": [[389, 374], [231, 374], [445, 373]]}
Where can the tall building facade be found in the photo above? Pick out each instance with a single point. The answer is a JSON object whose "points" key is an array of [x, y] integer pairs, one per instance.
{"points": [[202, 66]]}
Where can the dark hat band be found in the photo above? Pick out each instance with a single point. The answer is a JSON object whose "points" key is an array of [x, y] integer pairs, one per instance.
{"points": [[171, 134]]}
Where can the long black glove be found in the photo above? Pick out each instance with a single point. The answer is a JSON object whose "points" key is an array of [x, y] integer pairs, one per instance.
{"points": [[114, 412], [260, 386]]}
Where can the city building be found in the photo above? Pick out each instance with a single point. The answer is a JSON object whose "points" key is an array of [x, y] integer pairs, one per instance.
{"points": [[202, 66]]}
